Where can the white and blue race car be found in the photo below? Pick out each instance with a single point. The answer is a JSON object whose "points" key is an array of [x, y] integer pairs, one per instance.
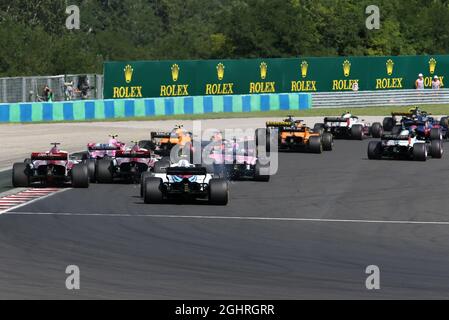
{"points": [[184, 180], [405, 145]]}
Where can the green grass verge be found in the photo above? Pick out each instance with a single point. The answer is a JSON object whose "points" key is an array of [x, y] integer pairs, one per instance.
{"points": [[315, 112]]}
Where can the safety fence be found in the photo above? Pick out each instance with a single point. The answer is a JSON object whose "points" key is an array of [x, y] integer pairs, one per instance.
{"points": [[134, 108], [380, 98], [64, 88]]}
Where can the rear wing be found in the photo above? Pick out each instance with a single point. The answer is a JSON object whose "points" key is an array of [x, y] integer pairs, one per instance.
{"points": [[414, 122], [160, 135], [403, 114], [394, 137], [182, 171], [103, 148], [137, 155], [62, 156], [279, 124], [342, 120]]}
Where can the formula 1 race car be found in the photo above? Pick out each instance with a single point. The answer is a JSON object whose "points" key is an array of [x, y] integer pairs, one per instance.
{"points": [[127, 165], [163, 142], [185, 181], [349, 127], [295, 135], [396, 117], [52, 167], [424, 127], [406, 145], [97, 151], [395, 124], [233, 160]]}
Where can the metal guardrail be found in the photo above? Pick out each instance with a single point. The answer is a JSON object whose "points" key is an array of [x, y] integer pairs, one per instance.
{"points": [[379, 98], [29, 89]]}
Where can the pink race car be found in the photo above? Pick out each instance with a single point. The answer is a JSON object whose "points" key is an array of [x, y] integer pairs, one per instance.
{"points": [[52, 167], [96, 151], [233, 160], [128, 164]]}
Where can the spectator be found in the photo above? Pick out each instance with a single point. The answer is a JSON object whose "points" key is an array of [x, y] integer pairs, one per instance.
{"points": [[419, 84], [70, 91], [47, 94], [436, 83], [84, 86]]}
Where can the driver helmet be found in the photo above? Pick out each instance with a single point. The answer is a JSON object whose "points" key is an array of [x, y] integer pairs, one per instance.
{"points": [[346, 115], [184, 163], [113, 140], [54, 149]]}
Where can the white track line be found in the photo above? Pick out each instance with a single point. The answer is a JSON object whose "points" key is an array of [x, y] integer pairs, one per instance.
{"points": [[35, 199], [398, 222]]}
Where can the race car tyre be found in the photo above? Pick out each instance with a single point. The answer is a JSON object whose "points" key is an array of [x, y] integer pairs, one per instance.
{"points": [[388, 123], [436, 149], [152, 190], [315, 144], [420, 152], [444, 122], [80, 176], [261, 132], [318, 128], [20, 177], [375, 150], [103, 171], [435, 134], [261, 172], [357, 132], [218, 192], [161, 166], [90, 163], [143, 177], [328, 141], [376, 130], [84, 156]]}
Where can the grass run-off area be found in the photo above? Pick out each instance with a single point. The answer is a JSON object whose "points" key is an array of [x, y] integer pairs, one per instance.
{"points": [[315, 112]]}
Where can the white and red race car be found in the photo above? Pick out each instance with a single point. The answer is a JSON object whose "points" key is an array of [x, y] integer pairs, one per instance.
{"points": [[127, 164], [349, 126], [54, 167]]}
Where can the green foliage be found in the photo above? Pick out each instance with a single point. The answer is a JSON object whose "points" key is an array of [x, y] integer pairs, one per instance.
{"points": [[34, 39]]}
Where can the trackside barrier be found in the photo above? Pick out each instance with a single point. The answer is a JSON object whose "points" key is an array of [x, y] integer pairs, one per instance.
{"points": [[380, 98], [116, 109]]}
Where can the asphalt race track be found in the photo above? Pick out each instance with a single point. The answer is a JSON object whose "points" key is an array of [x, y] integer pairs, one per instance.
{"points": [[308, 233], [5, 181]]}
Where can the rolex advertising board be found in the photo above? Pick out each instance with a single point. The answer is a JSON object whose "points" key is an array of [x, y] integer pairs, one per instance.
{"points": [[145, 79]]}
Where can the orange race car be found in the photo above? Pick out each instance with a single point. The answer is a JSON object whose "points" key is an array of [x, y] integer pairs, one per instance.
{"points": [[295, 135], [163, 142]]}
